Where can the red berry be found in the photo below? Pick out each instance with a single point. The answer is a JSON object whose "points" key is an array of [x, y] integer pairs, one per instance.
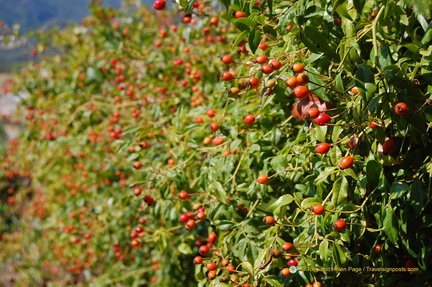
{"points": [[211, 274], [285, 272], [190, 224], [292, 262], [263, 179], [298, 68], [262, 59], [239, 14], [218, 141], [254, 81], [201, 209], [198, 260], [227, 76], [267, 69], [339, 224], [227, 59], [204, 250], [263, 46], [346, 162], [211, 266], [400, 108], [200, 215], [322, 119], [142, 220], [301, 92], [353, 142], [159, 4], [50, 136], [322, 148], [378, 248], [276, 64], [276, 253], [211, 113], [318, 209], [302, 78], [187, 19], [137, 191], [410, 264], [355, 90], [183, 195], [212, 237], [184, 218], [149, 200], [249, 119], [137, 165], [214, 127], [373, 126], [269, 220], [292, 82], [313, 113], [287, 246], [388, 146], [230, 268]]}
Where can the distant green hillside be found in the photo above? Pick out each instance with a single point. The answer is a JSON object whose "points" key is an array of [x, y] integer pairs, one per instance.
{"points": [[31, 14]]}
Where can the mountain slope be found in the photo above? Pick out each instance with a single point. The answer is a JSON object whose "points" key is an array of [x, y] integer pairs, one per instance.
{"points": [[32, 14]]}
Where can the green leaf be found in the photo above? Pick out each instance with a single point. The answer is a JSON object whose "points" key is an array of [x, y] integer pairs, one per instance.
{"points": [[338, 255], [398, 189], [323, 250], [422, 7], [339, 83], [324, 174], [184, 248], [311, 201], [240, 37], [93, 75], [316, 41], [373, 172], [359, 4], [320, 133], [340, 191], [220, 192], [350, 172], [131, 130], [281, 201], [365, 82], [391, 226], [384, 56], [245, 24], [188, 5], [418, 196], [164, 190], [273, 280], [225, 225], [254, 40], [220, 211], [247, 267], [263, 254], [226, 3], [270, 6], [340, 6], [337, 130]]}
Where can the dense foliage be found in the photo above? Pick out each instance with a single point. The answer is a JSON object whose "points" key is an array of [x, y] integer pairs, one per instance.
{"points": [[240, 143]]}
